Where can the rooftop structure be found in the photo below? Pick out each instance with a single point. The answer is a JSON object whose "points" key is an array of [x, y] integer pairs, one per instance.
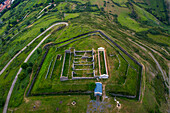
{"points": [[5, 4], [98, 89], [103, 74]]}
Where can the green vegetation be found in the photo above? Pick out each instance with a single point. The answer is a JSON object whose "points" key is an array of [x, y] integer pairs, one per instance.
{"points": [[130, 23], [126, 83], [144, 21], [66, 65], [160, 38], [24, 66], [92, 86], [102, 63], [56, 104], [21, 76]]}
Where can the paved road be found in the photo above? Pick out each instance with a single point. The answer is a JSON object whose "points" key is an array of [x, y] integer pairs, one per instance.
{"points": [[14, 81], [30, 44]]}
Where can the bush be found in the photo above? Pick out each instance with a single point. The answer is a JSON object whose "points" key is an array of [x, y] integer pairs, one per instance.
{"points": [[8, 38], [51, 6], [30, 64], [28, 23], [45, 10], [29, 69], [39, 51], [21, 76], [92, 86], [2, 102], [24, 66], [41, 30]]}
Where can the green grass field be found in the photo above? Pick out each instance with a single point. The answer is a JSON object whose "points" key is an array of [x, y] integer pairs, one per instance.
{"points": [[130, 23], [55, 104]]}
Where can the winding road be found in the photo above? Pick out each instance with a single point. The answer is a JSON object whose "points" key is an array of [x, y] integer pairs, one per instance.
{"points": [[30, 44], [15, 79]]}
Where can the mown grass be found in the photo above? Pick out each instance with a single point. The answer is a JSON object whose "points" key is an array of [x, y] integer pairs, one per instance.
{"points": [[102, 63], [66, 65], [52, 103]]}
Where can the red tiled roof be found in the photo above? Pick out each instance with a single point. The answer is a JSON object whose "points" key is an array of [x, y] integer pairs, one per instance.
{"points": [[7, 5]]}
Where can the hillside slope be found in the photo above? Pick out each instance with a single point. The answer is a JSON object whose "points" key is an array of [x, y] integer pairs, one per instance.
{"points": [[141, 27]]}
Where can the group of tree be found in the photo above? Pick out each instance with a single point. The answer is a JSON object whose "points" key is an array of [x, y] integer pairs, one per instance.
{"points": [[27, 70]]}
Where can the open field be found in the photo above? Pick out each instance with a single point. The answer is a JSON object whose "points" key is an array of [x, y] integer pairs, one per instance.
{"points": [[55, 104]]}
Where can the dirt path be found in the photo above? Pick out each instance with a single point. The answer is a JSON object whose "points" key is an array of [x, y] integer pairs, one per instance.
{"points": [[104, 91], [144, 79], [169, 80], [25, 98], [153, 50], [165, 77]]}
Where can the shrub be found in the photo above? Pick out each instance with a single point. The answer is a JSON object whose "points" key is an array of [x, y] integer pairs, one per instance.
{"points": [[24, 66], [92, 86], [8, 38], [45, 10], [21, 76], [29, 69], [39, 51], [28, 23], [41, 29], [2, 102], [30, 64]]}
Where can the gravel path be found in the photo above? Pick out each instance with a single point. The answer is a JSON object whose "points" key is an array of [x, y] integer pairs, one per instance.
{"points": [[14, 81]]}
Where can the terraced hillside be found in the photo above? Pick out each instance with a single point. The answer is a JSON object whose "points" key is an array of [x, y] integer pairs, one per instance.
{"points": [[35, 34]]}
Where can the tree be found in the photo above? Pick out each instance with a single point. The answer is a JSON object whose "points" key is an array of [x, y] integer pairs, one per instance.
{"points": [[24, 66], [2, 101], [38, 51], [45, 10], [28, 23], [8, 38], [29, 69], [30, 64], [52, 5], [6, 32], [21, 76], [92, 86], [41, 30], [1, 21]]}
